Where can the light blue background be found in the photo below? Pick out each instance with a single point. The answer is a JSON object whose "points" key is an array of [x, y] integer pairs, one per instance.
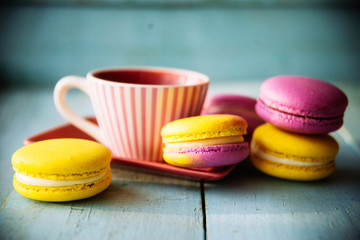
{"points": [[229, 41]]}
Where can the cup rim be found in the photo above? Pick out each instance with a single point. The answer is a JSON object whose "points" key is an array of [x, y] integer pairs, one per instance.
{"points": [[204, 78]]}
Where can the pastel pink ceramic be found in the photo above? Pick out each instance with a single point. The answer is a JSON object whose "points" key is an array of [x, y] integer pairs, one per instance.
{"points": [[132, 104], [301, 104], [214, 156], [233, 104], [70, 131]]}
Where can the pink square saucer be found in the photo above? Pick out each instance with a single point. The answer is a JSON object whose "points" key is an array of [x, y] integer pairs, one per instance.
{"points": [[69, 131]]}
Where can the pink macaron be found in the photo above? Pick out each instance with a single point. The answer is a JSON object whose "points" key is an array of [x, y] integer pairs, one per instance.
{"points": [[235, 104], [205, 141], [301, 104]]}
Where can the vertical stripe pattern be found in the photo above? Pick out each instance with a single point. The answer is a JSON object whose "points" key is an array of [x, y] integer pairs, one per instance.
{"points": [[131, 117]]}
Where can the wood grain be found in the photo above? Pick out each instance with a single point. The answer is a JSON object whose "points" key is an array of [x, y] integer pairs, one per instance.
{"points": [[135, 206], [251, 205], [142, 205]]}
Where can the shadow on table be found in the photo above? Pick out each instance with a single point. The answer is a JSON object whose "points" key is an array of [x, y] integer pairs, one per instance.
{"points": [[258, 193], [246, 175]]}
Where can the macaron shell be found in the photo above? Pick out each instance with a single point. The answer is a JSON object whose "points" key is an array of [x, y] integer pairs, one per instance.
{"points": [[290, 172], [207, 156], [62, 159], [233, 104], [297, 123], [203, 127], [273, 139], [314, 154], [303, 96], [227, 100], [62, 194]]}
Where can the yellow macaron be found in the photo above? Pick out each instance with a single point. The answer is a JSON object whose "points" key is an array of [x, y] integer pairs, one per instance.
{"points": [[59, 170], [293, 156], [205, 141]]}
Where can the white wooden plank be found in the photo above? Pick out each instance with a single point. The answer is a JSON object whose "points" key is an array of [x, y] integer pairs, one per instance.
{"points": [[137, 205], [252, 205], [246, 205]]}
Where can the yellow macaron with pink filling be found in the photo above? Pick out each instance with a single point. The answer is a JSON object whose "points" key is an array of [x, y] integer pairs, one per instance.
{"points": [[205, 141]]}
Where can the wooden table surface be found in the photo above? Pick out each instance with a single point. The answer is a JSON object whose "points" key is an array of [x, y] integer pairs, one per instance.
{"points": [[144, 205]]}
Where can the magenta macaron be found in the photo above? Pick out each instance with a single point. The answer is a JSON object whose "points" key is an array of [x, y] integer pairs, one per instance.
{"points": [[301, 104], [235, 104]]}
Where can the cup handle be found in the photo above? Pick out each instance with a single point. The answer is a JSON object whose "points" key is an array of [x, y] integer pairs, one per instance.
{"points": [[61, 88]]}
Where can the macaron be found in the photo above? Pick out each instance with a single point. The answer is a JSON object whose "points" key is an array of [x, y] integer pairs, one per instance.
{"points": [[205, 141], [235, 104], [291, 155], [60, 170], [301, 104]]}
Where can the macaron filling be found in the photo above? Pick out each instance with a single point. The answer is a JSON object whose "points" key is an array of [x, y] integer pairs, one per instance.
{"points": [[210, 149], [261, 154], [262, 102], [206, 142], [41, 182]]}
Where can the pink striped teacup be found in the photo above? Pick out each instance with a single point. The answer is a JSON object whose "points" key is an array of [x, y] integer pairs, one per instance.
{"points": [[132, 104]]}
